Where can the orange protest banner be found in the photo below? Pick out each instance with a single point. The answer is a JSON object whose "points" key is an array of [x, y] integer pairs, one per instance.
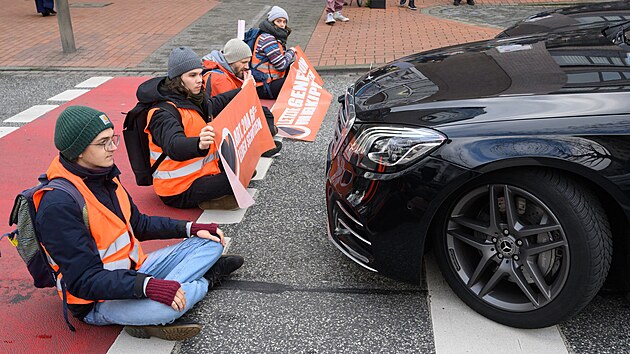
{"points": [[302, 103], [242, 135]]}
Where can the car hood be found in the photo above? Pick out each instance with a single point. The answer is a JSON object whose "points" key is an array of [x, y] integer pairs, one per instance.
{"points": [[574, 17], [532, 74]]}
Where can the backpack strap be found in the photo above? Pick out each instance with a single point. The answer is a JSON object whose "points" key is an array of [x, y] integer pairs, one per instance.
{"points": [[172, 109], [67, 186]]}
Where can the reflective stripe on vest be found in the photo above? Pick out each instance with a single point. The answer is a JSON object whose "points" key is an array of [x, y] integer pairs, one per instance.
{"points": [[267, 67], [175, 177], [186, 170], [117, 246], [122, 241]]}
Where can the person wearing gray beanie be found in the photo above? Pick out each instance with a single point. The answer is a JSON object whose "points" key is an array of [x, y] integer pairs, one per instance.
{"points": [[271, 58], [182, 60], [277, 12], [225, 71], [236, 50], [85, 219], [190, 174]]}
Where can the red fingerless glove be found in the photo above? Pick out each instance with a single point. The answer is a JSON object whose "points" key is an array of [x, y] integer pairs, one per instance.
{"points": [[212, 228], [162, 291]]}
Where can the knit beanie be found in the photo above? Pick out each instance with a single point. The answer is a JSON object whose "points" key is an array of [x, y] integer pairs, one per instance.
{"points": [[76, 127], [181, 60], [277, 12], [235, 50]]}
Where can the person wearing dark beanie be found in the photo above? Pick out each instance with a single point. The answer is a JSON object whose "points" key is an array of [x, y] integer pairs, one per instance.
{"points": [[98, 258], [191, 176]]}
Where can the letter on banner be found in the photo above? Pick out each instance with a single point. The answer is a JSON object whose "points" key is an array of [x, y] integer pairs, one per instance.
{"points": [[302, 103], [242, 135]]}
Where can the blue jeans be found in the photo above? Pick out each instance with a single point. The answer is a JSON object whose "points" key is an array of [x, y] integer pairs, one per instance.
{"points": [[42, 5], [185, 262]]}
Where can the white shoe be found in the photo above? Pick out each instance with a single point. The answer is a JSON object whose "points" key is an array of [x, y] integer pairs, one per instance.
{"points": [[339, 17], [329, 19]]}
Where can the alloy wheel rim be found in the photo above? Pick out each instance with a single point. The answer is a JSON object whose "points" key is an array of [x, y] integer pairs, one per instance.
{"points": [[507, 247]]}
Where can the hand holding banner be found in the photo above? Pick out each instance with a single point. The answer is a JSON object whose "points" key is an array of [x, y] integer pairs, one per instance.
{"points": [[302, 103], [242, 135]]}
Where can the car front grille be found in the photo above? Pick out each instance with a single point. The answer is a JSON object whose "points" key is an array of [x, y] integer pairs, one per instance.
{"points": [[349, 235]]}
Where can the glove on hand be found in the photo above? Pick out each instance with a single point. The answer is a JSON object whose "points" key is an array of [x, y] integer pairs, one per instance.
{"points": [[212, 228], [162, 291]]}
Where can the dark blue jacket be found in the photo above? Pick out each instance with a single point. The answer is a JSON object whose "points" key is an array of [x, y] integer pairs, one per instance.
{"points": [[64, 234]]}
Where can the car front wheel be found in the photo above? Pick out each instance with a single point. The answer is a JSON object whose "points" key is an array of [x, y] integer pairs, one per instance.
{"points": [[526, 249]]}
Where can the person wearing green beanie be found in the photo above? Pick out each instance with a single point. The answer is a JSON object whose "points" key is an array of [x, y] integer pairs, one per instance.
{"points": [[103, 275]]}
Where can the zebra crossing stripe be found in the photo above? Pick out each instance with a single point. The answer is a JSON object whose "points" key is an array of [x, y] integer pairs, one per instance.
{"points": [[94, 81], [459, 329], [31, 113], [68, 95]]}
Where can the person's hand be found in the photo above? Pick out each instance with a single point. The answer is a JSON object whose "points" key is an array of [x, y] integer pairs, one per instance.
{"points": [[208, 231], [167, 292], [206, 137], [247, 74], [220, 238], [179, 302]]}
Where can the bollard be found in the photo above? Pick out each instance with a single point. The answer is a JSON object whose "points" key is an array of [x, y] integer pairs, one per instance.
{"points": [[65, 26], [240, 29]]}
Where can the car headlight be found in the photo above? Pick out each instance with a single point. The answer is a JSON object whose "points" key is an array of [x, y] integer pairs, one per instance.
{"points": [[387, 149]]}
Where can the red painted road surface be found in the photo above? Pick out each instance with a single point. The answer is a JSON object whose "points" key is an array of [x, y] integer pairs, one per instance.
{"points": [[32, 319]]}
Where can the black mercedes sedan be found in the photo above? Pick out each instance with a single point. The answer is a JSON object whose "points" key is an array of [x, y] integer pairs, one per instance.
{"points": [[509, 159]]}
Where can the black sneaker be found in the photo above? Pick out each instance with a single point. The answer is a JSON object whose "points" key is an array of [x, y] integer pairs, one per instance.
{"points": [[178, 330], [457, 2], [470, 2], [274, 151], [402, 3], [412, 7], [227, 264]]}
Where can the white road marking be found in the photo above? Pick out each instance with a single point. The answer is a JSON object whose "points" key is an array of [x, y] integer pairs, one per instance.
{"points": [[225, 216], [459, 329], [262, 167], [68, 95], [94, 81], [6, 130], [228, 240], [32, 113], [126, 344]]}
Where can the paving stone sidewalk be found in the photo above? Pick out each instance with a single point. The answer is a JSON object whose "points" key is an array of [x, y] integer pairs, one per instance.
{"points": [[131, 36]]}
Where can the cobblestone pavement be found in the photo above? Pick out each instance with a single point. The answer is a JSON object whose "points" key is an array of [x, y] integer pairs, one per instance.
{"points": [[499, 16]]}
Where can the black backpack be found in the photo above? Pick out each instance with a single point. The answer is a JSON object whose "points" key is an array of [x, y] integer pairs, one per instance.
{"points": [[137, 141], [250, 38], [27, 239]]}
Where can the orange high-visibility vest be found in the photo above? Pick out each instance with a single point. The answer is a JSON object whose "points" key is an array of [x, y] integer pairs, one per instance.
{"points": [[175, 177], [218, 79], [267, 67], [115, 240]]}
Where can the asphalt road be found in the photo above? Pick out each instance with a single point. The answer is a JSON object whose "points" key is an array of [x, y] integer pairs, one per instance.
{"points": [[296, 293]]}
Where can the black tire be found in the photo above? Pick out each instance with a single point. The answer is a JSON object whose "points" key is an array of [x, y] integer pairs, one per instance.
{"points": [[548, 265]]}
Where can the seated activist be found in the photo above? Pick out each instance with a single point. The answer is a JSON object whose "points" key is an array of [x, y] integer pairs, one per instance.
{"points": [[271, 56], [106, 276], [226, 70], [191, 175]]}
